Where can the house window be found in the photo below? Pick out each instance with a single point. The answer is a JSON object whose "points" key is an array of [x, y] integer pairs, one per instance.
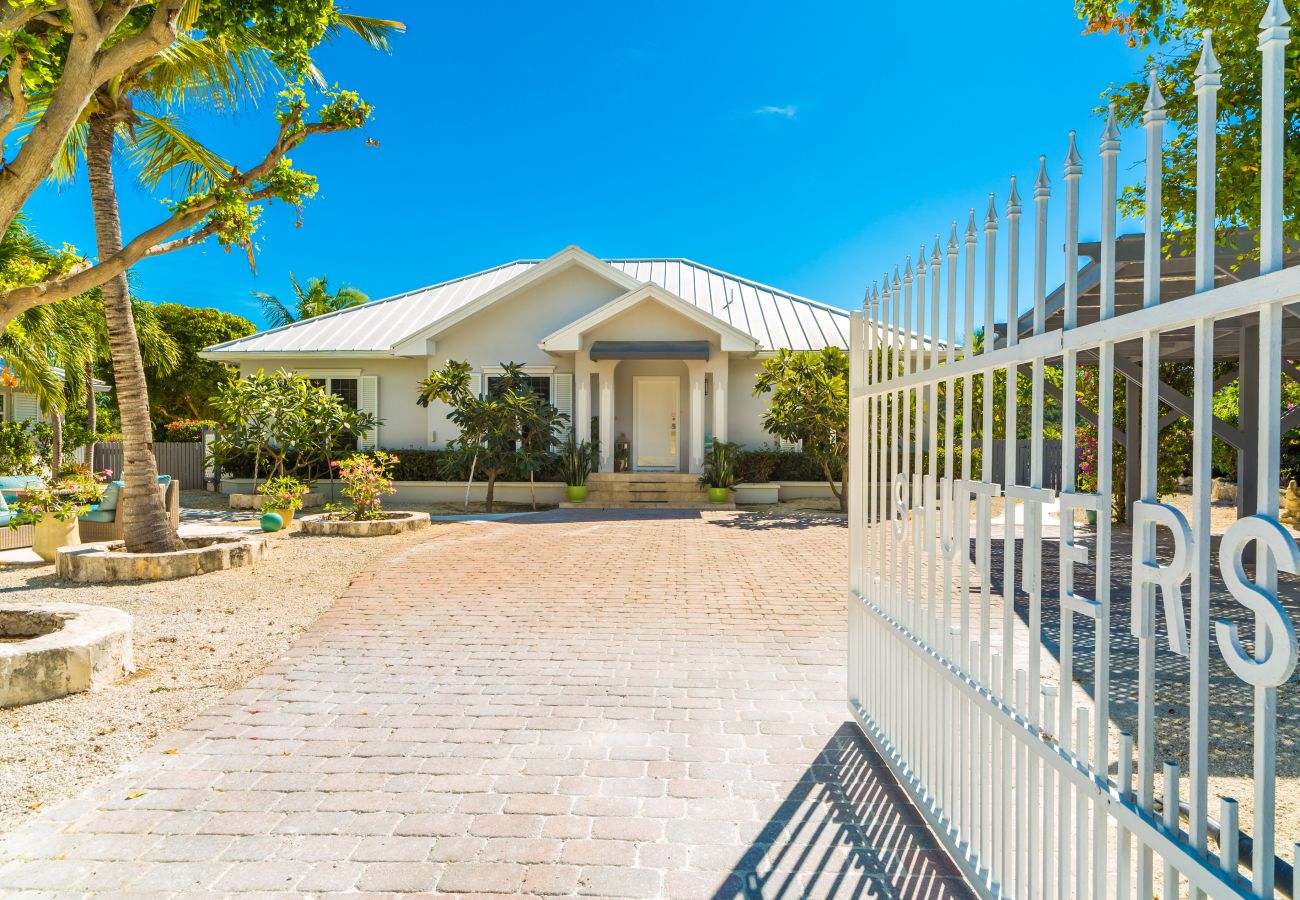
{"points": [[343, 388], [541, 385]]}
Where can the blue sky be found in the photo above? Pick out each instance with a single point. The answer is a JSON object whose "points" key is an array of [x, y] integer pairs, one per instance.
{"points": [[807, 146]]}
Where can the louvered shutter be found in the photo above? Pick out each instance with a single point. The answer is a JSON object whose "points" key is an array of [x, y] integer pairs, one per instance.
{"points": [[368, 402], [26, 408], [476, 384], [562, 398]]}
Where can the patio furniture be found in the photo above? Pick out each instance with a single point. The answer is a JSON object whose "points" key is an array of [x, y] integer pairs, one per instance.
{"points": [[100, 523], [10, 487]]}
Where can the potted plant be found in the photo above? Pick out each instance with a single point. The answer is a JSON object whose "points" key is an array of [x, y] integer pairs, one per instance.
{"points": [[575, 465], [719, 471], [53, 511], [622, 454], [283, 496]]}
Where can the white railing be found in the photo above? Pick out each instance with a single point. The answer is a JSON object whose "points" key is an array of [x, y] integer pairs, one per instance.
{"points": [[1021, 771]]}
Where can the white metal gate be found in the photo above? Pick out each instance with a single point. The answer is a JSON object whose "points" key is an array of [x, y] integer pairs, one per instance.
{"points": [[1023, 772]]}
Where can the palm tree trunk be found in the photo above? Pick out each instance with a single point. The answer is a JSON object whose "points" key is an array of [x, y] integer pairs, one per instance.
{"points": [[56, 443], [92, 415], [145, 527]]}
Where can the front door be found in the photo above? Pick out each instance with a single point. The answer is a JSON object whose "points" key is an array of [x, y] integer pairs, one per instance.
{"points": [[654, 421]]}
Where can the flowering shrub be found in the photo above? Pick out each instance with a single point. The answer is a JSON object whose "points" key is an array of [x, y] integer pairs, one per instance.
{"points": [[366, 478], [186, 430], [280, 493]]}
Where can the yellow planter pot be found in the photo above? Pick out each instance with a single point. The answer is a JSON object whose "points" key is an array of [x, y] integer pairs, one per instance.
{"points": [[286, 515], [50, 534]]}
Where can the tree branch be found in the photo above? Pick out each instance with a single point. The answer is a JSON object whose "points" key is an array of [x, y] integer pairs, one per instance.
{"points": [[17, 100], [14, 19], [158, 240], [86, 67]]}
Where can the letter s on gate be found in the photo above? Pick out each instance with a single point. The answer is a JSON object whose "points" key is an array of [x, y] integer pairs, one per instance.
{"points": [[1275, 668]]}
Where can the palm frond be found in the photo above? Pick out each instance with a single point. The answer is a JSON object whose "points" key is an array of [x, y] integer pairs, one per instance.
{"points": [[158, 349], [276, 313], [377, 33], [218, 73], [161, 148], [70, 155]]}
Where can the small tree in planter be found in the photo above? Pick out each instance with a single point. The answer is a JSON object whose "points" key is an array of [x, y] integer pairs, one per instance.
{"points": [[53, 510], [810, 403], [575, 463], [494, 426], [282, 495], [288, 425], [720, 470], [367, 479]]}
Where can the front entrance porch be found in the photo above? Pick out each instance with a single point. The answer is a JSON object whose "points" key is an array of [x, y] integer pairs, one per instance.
{"points": [[646, 490]]}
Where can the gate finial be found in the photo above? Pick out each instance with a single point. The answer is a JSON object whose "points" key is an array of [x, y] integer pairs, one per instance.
{"points": [[935, 259], [1275, 16], [1073, 161], [1013, 201], [1209, 64], [1043, 185], [991, 220], [953, 243], [1154, 108]]}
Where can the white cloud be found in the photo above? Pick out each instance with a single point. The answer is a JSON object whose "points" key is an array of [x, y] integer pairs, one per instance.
{"points": [[787, 111]]}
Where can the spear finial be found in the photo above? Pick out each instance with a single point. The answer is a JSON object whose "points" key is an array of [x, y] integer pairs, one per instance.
{"points": [[1209, 64], [1155, 104], [971, 233], [991, 220], [920, 261], [1275, 16], [1043, 184], [1073, 161], [953, 243], [898, 283], [907, 271], [1013, 201], [1110, 137], [935, 259]]}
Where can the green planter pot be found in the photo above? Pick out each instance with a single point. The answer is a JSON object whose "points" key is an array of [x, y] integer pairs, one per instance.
{"points": [[1092, 517], [577, 493], [718, 495]]}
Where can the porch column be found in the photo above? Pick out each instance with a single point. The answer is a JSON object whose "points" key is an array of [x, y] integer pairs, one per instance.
{"points": [[695, 370], [718, 369], [605, 375], [582, 396]]}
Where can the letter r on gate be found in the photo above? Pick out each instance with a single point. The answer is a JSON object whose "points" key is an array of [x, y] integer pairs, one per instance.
{"points": [[1149, 576]]}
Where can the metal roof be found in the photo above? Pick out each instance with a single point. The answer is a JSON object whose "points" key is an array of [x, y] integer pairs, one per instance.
{"points": [[773, 317]]}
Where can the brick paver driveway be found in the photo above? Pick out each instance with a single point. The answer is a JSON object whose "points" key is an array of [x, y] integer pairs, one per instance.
{"points": [[614, 705]]}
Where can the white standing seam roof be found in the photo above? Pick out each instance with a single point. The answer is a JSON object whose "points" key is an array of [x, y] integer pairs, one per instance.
{"points": [[774, 318]]}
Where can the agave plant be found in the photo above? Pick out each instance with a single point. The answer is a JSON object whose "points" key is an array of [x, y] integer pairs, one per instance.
{"points": [[575, 461], [720, 465]]}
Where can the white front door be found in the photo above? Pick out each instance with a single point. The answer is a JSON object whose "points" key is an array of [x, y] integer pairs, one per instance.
{"points": [[654, 421]]}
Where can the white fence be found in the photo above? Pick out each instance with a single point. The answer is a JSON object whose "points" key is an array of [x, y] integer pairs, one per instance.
{"points": [[1010, 743]]}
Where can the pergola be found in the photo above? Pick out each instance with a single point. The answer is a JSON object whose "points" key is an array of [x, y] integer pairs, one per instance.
{"points": [[1236, 339]]}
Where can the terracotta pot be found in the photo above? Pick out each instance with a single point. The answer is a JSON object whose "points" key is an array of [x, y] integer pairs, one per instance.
{"points": [[49, 534]]}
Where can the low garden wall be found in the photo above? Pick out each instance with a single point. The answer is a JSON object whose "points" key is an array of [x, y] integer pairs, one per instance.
{"points": [[548, 492]]}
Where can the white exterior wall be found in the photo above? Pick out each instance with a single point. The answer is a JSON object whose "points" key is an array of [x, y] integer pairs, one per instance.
{"points": [[510, 330]]}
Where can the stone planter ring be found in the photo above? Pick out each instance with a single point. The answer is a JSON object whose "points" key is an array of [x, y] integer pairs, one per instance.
{"points": [[109, 562], [392, 523]]}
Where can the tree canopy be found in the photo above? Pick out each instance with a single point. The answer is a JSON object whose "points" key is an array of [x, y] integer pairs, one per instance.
{"points": [[310, 300], [1171, 32], [63, 62], [187, 391]]}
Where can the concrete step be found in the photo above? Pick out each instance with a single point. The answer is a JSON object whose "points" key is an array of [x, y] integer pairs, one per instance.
{"points": [[601, 493], [641, 477]]}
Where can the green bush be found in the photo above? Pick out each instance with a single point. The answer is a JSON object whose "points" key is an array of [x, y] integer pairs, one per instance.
{"points": [[414, 465], [18, 451], [766, 464]]}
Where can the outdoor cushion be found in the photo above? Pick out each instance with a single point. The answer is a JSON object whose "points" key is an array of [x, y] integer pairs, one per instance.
{"points": [[11, 483], [98, 515], [4, 503], [164, 481], [5, 517], [111, 494]]}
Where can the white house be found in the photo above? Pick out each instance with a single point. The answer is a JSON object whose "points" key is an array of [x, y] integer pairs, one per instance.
{"points": [[664, 352]]}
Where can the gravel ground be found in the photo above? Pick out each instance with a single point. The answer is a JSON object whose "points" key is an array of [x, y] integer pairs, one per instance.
{"points": [[194, 641]]}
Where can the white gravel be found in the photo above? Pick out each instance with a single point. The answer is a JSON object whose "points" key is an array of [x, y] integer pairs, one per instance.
{"points": [[195, 640]]}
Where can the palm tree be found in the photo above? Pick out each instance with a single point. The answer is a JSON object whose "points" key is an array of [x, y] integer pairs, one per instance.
{"points": [[136, 108], [313, 300]]}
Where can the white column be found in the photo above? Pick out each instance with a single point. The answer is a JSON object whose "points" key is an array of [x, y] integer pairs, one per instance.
{"points": [[605, 373], [718, 369], [695, 370], [582, 396]]}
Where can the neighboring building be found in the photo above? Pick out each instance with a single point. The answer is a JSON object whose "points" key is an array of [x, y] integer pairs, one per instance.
{"points": [[664, 351], [16, 405]]}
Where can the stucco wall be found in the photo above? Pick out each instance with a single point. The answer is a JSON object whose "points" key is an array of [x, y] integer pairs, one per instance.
{"points": [[744, 410]]}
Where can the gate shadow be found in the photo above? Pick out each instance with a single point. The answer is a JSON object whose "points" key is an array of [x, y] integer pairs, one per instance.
{"points": [[846, 829]]}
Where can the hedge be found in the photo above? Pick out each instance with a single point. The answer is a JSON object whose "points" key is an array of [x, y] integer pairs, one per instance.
{"points": [[442, 465]]}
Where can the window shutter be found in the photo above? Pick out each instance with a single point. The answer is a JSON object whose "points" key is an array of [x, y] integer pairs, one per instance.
{"points": [[26, 408], [562, 397], [476, 384], [368, 402]]}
